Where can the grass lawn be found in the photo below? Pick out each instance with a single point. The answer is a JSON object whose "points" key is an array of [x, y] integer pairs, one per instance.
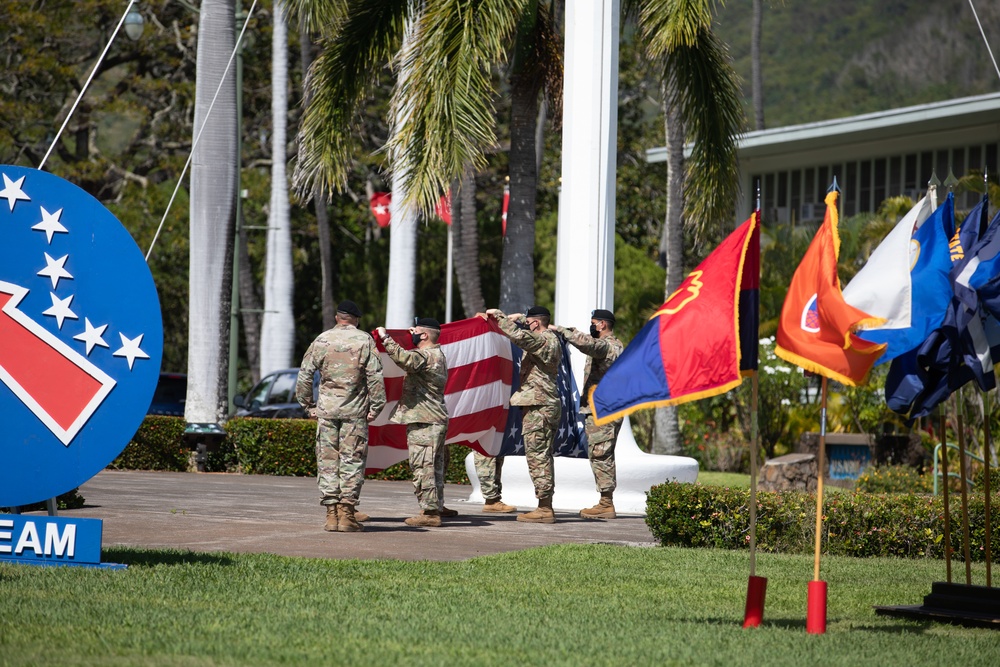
{"points": [[734, 480], [565, 605]]}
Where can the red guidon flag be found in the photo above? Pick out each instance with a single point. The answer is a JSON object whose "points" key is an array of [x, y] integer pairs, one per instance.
{"points": [[690, 348], [443, 208], [477, 393], [380, 203], [817, 327]]}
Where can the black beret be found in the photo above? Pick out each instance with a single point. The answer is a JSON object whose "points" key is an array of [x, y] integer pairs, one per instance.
{"points": [[601, 314], [538, 311], [349, 307], [428, 323]]}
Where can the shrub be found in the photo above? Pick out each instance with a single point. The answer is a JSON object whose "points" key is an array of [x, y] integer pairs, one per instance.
{"points": [[894, 479], [157, 445], [274, 446], [979, 479], [254, 447], [855, 524]]}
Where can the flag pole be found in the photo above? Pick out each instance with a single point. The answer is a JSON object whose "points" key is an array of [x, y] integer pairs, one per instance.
{"points": [[816, 599], [965, 490], [447, 280], [987, 446], [947, 510], [753, 613]]}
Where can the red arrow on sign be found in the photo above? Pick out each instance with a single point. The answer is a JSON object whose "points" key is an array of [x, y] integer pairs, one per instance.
{"points": [[59, 385]]}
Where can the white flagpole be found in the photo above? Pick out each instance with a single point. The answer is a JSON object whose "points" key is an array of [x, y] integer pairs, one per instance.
{"points": [[447, 281]]}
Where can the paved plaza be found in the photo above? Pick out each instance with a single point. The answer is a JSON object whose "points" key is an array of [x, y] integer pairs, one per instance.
{"points": [[281, 515]]}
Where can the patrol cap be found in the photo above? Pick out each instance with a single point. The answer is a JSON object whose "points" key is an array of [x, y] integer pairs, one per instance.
{"points": [[538, 311], [427, 323], [349, 308], [601, 314]]}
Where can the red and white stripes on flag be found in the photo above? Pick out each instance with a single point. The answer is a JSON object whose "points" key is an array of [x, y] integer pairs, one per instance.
{"points": [[480, 371]]}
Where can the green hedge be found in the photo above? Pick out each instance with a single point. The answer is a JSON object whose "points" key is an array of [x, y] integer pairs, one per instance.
{"points": [[252, 446], [157, 445], [894, 479], [855, 524]]}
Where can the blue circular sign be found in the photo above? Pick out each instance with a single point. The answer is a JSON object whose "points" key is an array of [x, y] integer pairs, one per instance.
{"points": [[81, 336]]}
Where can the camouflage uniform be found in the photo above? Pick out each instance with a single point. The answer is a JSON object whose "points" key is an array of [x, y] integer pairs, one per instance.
{"points": [[488, 471], [539, 398], [423, 410], [350, 388], [601, 353]]}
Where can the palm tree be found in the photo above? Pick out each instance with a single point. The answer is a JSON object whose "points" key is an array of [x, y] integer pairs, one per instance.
{"points": [[442, 105], [277, 336], [465, 227], [213, 210], [702, 105]]}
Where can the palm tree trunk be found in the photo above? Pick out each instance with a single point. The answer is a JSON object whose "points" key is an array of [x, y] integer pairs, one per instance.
{"points": [[517, 270], [277, 336], [212, 218], [327, 270], [756, 75], [465, 227], [667, 437], [250, 307]]}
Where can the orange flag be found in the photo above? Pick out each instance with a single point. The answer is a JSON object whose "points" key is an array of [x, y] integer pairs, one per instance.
{"points": [[816, 330]]}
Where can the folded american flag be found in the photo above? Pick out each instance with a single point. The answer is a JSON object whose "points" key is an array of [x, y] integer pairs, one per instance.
{"points": [[477, 393]]}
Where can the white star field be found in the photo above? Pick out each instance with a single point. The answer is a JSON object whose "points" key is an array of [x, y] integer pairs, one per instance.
{"points": [[59, 274]]}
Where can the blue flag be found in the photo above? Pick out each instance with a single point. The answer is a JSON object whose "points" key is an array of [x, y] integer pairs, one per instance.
{"points": [[571, 438], [959, 350], [931, 289], [984, 270]]}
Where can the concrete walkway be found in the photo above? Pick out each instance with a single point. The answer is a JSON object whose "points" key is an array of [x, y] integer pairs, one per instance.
{"points": [[282, 515]]}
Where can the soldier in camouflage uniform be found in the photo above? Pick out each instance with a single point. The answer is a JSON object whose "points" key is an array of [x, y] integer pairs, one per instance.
{"points": [[601, 348], [351, 395], [423, 410], [488, 470], [538, 395]]}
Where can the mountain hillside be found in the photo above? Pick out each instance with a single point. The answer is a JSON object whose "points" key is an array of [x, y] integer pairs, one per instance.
{"points": [[824, 60]]}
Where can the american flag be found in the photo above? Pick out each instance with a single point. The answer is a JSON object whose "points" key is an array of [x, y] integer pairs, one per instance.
{"points": [[571, 438], [483, 369], [480, 369]]}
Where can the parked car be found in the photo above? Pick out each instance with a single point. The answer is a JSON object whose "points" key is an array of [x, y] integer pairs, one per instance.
{"points": [[168, 399], [274, 397]]}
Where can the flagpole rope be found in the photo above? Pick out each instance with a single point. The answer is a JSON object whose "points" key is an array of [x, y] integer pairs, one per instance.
{"points": [[208, 114], [83, 90], [985, 41]]}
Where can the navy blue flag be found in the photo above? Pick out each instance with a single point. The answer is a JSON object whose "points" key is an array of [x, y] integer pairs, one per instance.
{"points": [[959, 350], [930, 290], [571, 438], [984, 270]]}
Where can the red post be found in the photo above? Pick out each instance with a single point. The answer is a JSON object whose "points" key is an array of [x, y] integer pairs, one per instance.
{"points": [[756, 591], [816, 605]]}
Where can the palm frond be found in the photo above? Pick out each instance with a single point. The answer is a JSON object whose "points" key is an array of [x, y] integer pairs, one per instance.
{"points": [[340, 79], [671, 24], [443, 110], [318, 15], [708, 94]]}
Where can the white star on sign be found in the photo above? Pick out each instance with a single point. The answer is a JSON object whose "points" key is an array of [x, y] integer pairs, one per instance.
{"points": [[130, 349], [55, 269], [60, 310], [50, 224], [380, 210], [92, 336], [12, 191]]}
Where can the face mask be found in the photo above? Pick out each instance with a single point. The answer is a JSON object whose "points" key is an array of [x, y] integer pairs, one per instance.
{"points": [[417, 337], [594, 332]]}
